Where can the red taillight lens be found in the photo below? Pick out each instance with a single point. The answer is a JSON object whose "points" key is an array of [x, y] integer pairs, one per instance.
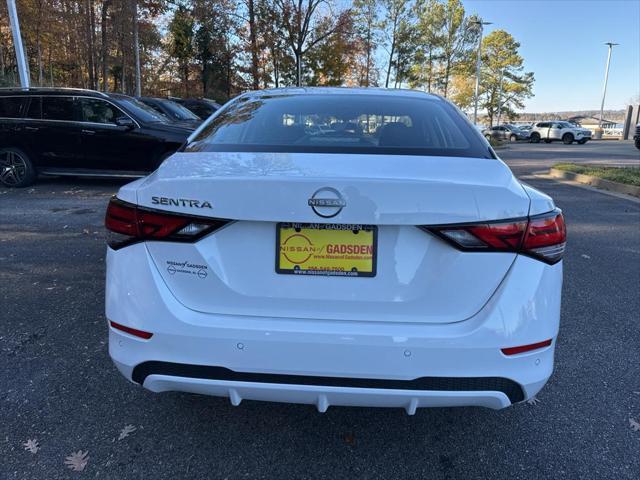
{"points": [[525, 348], [121, 218], [135, 224], [501, 236], [132, 331], [546, 237], [541, 236]]}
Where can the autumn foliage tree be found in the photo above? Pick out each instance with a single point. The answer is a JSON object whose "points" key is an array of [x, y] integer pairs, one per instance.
{"points": [[219, 48]]}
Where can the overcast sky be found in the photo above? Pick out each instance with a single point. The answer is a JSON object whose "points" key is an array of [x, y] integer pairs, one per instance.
{"points": [[562, 42]]}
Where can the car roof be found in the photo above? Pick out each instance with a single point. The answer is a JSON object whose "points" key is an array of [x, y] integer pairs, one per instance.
{"points": [[155, 99], [396, 92], [53, 91]]}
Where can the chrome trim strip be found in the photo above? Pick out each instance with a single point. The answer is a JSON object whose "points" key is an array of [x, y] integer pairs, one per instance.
{"points": [[91, 174]]}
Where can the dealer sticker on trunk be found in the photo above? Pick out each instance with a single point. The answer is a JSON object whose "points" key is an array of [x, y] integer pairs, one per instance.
{"points": [[326, 249]]}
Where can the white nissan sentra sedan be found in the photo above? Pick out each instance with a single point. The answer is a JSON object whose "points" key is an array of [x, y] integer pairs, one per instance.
{"points": [[356, 247]]}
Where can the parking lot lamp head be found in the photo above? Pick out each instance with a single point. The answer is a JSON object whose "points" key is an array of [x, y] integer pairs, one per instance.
{"points": [[481, 23]]}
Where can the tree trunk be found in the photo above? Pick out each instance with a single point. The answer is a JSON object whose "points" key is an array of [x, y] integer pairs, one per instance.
{"points": [[254, 45], [430, 74], [393, 51], [136, 49], [103, 46], [123, 68], [92, 39], [2, 58], [276, 68], [185, 78], [88, 5], [447, 72], [298, 55], [368, 66], [50, 68]]}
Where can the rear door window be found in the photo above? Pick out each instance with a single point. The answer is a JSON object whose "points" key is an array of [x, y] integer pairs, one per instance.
{"points": [[98, 111], [35, 108], [13, 107], [59, 108]]}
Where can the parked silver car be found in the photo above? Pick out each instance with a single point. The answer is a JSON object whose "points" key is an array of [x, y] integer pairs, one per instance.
{"points": [[509, 133]]}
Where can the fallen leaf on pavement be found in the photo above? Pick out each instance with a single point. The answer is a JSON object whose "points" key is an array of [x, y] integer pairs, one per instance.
{"points": [[77, 461], [124, 433], [31, 445], [350, 439]]}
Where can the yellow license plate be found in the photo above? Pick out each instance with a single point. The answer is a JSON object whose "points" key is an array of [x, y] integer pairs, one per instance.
{"points": [[326, 249]]}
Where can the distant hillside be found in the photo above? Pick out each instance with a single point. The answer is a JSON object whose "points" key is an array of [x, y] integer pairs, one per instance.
{"points": [[613, 115]]}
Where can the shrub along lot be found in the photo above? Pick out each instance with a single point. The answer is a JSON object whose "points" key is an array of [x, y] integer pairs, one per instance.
{"points": [[628, 175]]}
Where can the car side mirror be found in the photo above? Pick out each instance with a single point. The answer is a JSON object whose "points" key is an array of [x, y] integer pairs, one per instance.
{"points": [[125, 122]]}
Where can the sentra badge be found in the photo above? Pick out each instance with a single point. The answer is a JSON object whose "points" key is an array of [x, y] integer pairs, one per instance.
{"points": [[181, 202]]}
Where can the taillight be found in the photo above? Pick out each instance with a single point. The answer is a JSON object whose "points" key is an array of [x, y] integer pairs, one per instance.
{"points": [[541, 236], [131, 223], [525, 348], [546, 237], [132, 331]]}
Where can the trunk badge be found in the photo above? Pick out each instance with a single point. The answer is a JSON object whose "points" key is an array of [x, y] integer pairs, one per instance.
{"points": [[327, 202]]}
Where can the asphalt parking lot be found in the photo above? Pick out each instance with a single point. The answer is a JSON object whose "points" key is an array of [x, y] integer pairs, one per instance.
{"points": [[524, 158], [58, 386]]}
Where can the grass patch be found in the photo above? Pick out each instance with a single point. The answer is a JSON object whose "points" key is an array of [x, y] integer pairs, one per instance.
{"points": [[627, 175]]}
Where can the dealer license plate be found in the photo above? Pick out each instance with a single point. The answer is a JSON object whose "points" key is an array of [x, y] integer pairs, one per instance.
{"points": [[326, 249]]}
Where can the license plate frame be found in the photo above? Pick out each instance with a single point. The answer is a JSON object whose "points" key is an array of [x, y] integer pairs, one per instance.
{"points": [[349, 272]]}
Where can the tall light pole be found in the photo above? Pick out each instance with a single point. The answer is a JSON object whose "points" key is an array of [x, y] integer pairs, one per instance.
{"points": [[478, 62], [606, 78], [23, 67]]}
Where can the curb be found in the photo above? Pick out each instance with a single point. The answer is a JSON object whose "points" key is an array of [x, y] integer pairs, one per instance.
{"points": [[596, 182]]}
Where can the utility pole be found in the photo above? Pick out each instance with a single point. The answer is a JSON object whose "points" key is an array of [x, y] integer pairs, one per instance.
{"points": [[606, 78], [21, 60], [478, 62]]}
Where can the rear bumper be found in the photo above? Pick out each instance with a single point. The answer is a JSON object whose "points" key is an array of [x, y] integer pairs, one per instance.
{"points": [[329, 362], [323, 396]]}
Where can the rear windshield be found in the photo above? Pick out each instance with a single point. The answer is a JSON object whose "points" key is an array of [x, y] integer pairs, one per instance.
{"points": [[177, 111], [369, 124], [139, 110]]}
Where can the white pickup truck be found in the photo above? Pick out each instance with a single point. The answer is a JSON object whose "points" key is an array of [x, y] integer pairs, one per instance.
{"points": [[558, 130]]}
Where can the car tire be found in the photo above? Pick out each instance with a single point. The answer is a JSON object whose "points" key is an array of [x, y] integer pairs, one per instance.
{"points": [[16, 168], [513, 138], [567, 139], [535, 137], [637, 143], [583, 141]]}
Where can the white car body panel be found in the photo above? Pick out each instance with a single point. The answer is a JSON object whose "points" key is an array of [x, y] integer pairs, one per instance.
{"points": [[325, 347], [275, 187], [434, 316], [262, 189], [540, 202]]}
